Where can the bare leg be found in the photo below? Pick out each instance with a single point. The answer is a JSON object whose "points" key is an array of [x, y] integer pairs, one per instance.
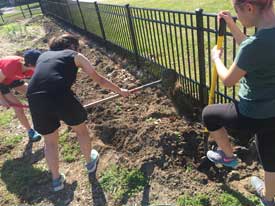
{"points": [[269, 180], [84, 140], [51, 153], [18, 111], [22, 89], [221, 138]]}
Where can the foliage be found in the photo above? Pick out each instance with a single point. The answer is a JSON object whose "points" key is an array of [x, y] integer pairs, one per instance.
{"points": [[121, 182], [14, 30], [12, 140], [190, 5], [69, 147], [197, 200], [20, 176], [5, 117]]}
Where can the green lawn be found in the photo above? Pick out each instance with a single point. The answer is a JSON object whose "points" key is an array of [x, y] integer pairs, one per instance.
{"points": [[17, 14], [212, 6], [171, 46]]}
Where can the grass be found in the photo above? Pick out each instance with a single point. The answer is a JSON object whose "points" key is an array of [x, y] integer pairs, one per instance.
{"points": [[14, 31], [6, 117], [188, 5], [20, 176], [197, 200], [178, 135], [159, 41], [11, 140], [189, 168], [121, 182], [224, 199], [17, 15], [231, 195], [69, 147], [19, 36], [118, 107], [227, 199], [150, 120]]}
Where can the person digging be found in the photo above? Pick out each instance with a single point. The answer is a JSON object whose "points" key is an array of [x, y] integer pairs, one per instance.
{"points": [[51, 100], [254, 66], [13, 69]]}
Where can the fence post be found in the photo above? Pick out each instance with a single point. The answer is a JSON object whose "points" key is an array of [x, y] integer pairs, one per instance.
{"points": [[81, 14], [1, 14], [41, 7], [29, 9], [68, 9], [201, 56], [100, 21], [21, 9], [132, 32]]}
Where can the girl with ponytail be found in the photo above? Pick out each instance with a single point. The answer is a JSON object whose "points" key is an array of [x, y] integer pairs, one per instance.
{"points": [[254, 67]]}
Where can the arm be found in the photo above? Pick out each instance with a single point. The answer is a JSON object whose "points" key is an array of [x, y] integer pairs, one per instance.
{"points": [[229, 76], [82, 62], [2, 76], [3, 101], [238, 35]]}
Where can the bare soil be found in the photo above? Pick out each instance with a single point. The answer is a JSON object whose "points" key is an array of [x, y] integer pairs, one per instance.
{"points": [[143, 131]]}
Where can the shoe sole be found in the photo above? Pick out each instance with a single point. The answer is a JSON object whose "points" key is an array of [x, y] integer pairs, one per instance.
{"points": [[224, 164], [61, 187]]}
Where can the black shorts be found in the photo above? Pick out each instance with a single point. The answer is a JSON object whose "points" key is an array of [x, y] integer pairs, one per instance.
{"points": [[216, 116], [5, 89], [47, 111]]}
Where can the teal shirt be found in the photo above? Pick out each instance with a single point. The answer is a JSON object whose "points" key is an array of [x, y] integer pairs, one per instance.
{"points": [[256, 56]]}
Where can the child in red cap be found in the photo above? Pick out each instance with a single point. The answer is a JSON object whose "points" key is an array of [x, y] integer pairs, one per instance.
{"points": [[13, 69]]}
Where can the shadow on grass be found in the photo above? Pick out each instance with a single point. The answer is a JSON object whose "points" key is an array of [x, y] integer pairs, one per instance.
{"points": [[97, 191], [32, 183], [242, 199], [147, 168]]}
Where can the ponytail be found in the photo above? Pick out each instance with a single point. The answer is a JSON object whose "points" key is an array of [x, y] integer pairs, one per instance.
{"points": [[262, 4]]}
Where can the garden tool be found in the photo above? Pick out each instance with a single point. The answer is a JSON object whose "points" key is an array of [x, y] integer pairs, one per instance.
{"points": [[169, 78], [206, 163]]}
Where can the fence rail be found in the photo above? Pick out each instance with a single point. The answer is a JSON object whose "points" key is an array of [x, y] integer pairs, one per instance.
{"points": [[20, 11], [177, 40]]}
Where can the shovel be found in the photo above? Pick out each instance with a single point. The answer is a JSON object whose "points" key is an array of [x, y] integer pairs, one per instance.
{"points": [[169, 78], [206, 164]]}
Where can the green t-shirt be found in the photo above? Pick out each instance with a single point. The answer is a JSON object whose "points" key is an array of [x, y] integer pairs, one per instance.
{"points": [[256, 56]]}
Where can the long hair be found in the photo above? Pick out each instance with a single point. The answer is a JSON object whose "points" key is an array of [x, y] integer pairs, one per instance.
{"points": [[65, 41], [261, 4]]}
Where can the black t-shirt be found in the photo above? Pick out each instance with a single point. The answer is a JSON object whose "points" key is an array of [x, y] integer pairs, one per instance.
{"points": [[55, 73]]}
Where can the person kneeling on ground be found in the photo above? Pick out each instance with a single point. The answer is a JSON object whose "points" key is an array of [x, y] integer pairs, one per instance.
{"points": [[51, 99], [255, 66], [12, 70]]}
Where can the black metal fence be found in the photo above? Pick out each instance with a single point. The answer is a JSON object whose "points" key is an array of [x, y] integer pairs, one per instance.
{"points": [[22, 9], [24, 2], [169, 39]]}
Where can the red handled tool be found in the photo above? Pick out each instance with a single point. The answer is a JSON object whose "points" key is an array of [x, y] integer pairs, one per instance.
{"points": [[87, 106], [18, 105]]}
